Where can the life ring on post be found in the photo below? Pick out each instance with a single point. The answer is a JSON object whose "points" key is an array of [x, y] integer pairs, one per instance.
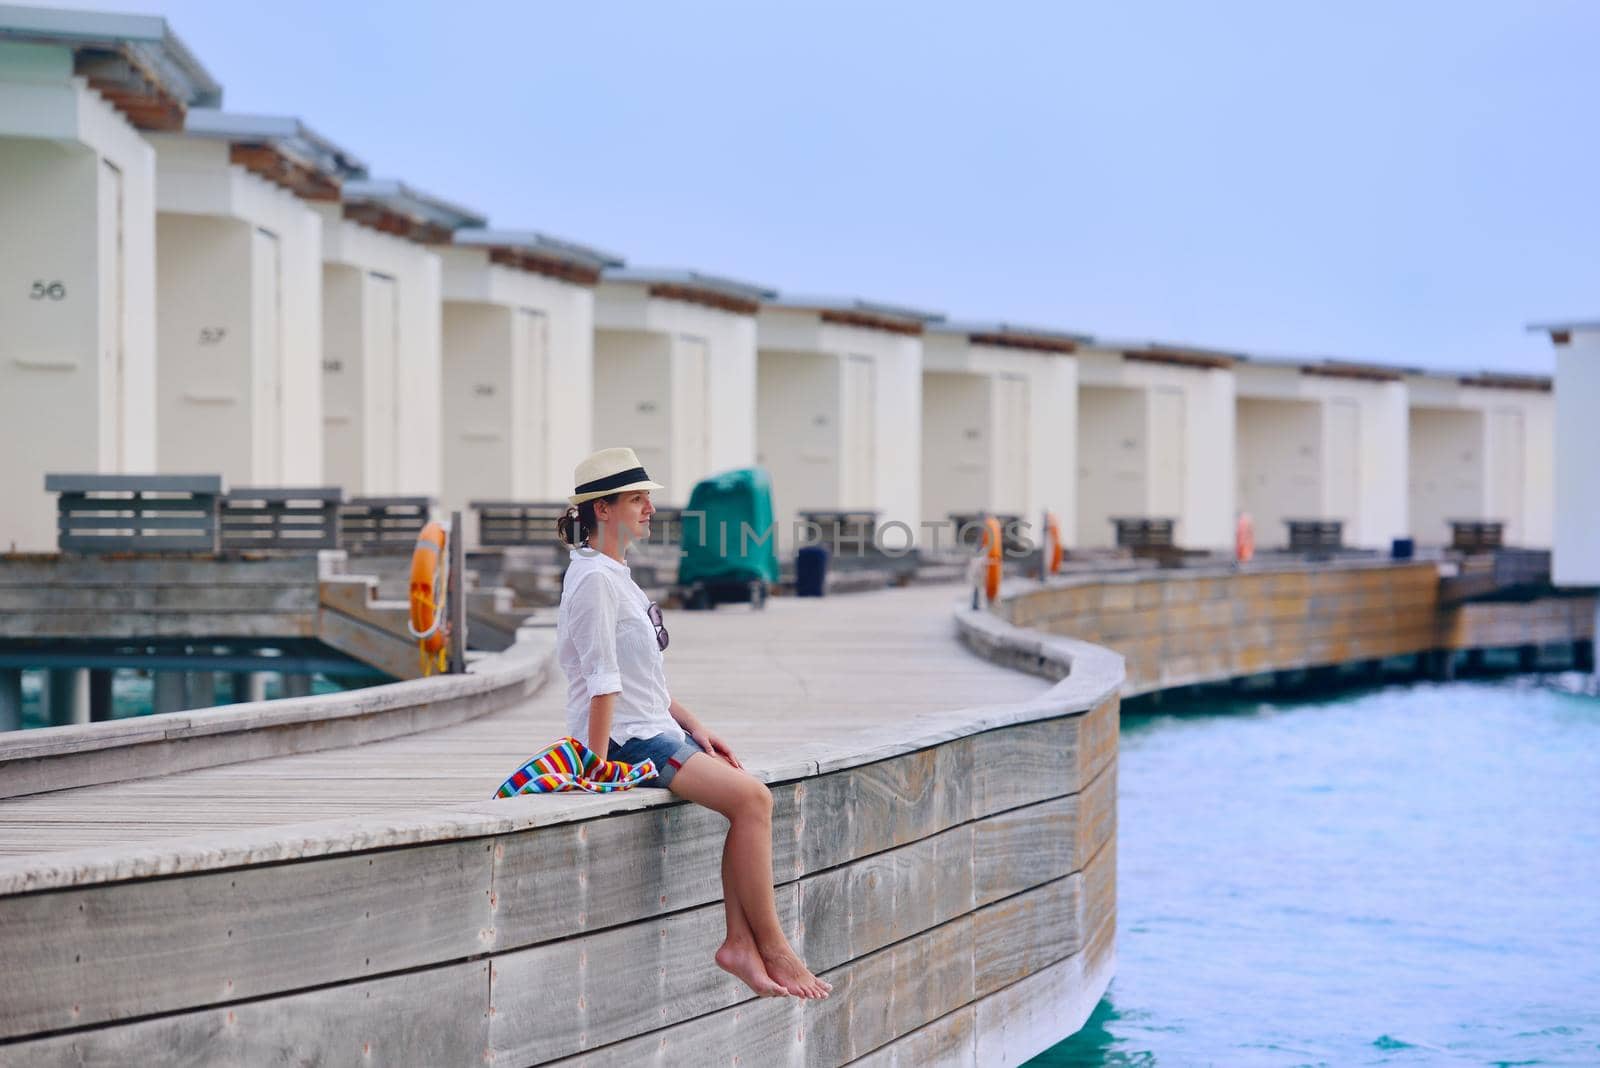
{"points": [[991, 549], [430, 573], [1053, 551], [1244, 538]]}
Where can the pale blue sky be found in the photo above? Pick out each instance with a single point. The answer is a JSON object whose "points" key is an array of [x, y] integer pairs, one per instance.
{"points": [[1403, 182]]}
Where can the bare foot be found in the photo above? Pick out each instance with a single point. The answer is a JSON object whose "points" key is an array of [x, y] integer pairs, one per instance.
{"points": [[744, 963], [792, 974]]}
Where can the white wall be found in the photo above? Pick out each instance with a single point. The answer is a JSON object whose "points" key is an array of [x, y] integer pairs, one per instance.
{"points": [[1577, 475], [1516, 453], [957, 445], [896, 373], [1280, 464], [1049, 384], [633, 402], [517, 349], [1375, 453], [711, 409], [1446, 470], [402, 453], [77, 206], [1194, 466], [239, 303], [797, 427], [1112, 451]]}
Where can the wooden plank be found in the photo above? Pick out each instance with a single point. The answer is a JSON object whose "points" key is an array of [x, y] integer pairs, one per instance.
{"points": [[78, 957], [565, 880], [1026, 1018], [1056, 838], [950, 1040], [1021, 935], [849, 911], [1047, 758], [428, 1018], [875, 1000], [564, 997]]}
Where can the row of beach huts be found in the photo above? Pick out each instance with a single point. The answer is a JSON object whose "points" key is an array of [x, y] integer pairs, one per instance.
{"points": [[184, 289]]}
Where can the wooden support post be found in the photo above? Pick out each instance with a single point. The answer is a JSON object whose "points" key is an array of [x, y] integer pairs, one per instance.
{"points": [[68, 698], [101, 704], [10, 699], [1444, 664], [1527, 658], [1583, 654], [169, 692], [457, 595], [297, 686], [249, 686], [1476, 662], [202, 689]]}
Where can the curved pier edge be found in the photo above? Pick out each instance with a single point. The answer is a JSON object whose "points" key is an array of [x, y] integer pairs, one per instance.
{"points": [[59, 758]]}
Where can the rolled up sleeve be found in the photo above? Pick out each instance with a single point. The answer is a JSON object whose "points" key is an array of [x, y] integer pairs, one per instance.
{"points": [[593, 622]]}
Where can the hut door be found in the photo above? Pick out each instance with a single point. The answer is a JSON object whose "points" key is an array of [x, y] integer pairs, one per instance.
{"points": [[1505, 470], [1009, 494], [530, 418], [1343, 438], [1166, 456], [266, 312], [113, 328], [858, 444], [691, 416], [384, 444]]}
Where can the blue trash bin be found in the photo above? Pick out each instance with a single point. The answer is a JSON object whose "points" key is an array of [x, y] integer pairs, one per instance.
{"points": [[1403, 549], [811, 571]]}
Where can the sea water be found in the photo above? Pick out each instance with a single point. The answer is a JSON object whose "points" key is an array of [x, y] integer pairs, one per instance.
{"points": [[1404, 876]]}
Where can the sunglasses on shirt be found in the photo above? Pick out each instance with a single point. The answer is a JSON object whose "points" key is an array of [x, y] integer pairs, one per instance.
{"points": [[654, 612]]}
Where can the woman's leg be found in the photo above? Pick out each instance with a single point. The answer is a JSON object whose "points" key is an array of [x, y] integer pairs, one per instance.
{"points": [[747, 872]]}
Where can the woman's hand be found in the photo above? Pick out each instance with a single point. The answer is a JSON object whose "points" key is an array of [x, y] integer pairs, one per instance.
{"points": [[715, 746]]}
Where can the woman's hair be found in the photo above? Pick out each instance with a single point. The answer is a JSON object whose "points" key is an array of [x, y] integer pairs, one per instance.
{"points": [[580, 521]]}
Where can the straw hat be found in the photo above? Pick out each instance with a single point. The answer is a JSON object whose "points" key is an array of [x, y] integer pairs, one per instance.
{"points": [[609, 471]]}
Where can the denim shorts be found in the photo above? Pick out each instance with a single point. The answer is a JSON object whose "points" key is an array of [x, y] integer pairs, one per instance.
{"points": [[667, 752]]}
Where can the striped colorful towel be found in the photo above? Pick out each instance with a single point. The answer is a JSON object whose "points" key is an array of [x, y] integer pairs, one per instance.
{"points": [[570, 765]]}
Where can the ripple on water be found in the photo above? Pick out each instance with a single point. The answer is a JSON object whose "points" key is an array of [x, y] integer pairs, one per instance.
{"points": [[1416, 863]]}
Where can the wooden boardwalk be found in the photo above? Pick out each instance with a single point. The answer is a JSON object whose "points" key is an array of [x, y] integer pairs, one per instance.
{"points": [[804, 680]]}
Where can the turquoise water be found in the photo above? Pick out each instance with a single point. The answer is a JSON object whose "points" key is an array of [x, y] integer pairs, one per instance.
{"points": [[131, 694], [1404, 876]]}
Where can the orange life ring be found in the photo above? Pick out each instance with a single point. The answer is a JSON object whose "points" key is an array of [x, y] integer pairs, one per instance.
{"points": [[1053, 552], [1244, 538], [992, 547], [429, 571]]}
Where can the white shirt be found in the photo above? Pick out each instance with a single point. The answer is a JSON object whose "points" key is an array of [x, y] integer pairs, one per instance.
{"points": [[607, 644]]}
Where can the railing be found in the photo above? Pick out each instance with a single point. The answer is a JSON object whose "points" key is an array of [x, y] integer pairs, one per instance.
{"points": [[1143, 532], [297, 520], [1476, 535], [1315, 535], [382, 524], [504, 524], [136, 513]]}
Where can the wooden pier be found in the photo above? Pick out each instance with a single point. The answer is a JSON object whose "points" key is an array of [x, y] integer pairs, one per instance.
{"points": [[370, 904]]}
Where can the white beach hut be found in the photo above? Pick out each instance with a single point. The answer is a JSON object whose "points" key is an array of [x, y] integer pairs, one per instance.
{"points": [[518, 354], [999, 423], [1155, 439], [1323, 440], [839, 410], [1575, 559], [675, 371], [239, 295], [1481, 448], [382, 370], [77, 246]]}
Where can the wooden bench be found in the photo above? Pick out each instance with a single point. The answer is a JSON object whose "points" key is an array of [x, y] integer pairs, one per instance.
{"points": [[1143, 532], [382, 524], [281, 519], [1315, 535], [135, 513], [1476, 535], [509, 524]]}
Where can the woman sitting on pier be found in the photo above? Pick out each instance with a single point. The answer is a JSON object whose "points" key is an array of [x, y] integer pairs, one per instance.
{"points": [[609, 638]]}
